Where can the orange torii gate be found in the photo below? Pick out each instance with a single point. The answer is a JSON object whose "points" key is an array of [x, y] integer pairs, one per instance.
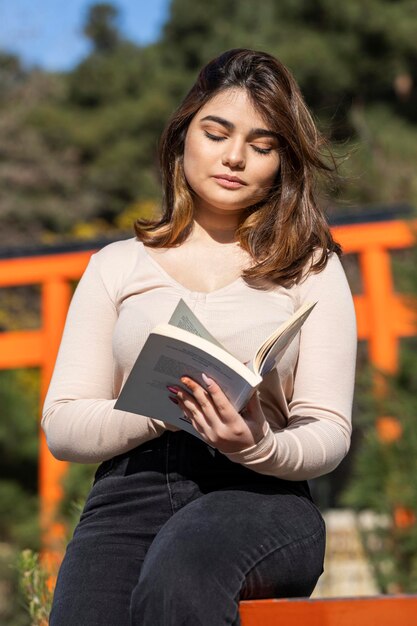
{"points": [[384, 317]]}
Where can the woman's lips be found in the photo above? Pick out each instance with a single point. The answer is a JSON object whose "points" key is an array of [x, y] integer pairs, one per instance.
{"points": [[229, 182]]}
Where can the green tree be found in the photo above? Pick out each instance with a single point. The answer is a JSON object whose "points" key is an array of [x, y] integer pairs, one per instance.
{"points": [[101, 27]]}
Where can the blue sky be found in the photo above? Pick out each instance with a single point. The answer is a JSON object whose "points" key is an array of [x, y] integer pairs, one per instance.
{"points": [[48, 33]]}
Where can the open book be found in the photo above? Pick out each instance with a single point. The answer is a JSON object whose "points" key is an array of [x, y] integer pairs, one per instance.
{"points": [[185, 347]]}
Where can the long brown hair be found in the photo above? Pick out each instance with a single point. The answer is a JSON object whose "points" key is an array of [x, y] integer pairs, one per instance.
{"points": [[281, 232]]}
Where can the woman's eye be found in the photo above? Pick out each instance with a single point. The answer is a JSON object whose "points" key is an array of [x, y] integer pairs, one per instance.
{"points": [[222, 138], [262, 150], [214, 137]]}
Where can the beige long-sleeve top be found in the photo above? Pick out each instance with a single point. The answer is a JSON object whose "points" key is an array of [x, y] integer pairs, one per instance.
{"points": [[124, 293]]}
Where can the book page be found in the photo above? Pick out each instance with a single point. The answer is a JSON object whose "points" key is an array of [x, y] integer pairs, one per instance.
{"points": [[201, 351], [267, 354], [183, 317], [161, 363]]}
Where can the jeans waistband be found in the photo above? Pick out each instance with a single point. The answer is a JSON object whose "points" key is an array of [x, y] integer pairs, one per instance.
{"points": [[184, 456]]}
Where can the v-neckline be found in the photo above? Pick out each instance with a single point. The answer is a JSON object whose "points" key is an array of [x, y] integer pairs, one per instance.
{"points": [[175, 282]]}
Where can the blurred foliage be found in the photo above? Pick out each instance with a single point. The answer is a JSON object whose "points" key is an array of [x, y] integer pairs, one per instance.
{"points": [[78, 158], [19, 399], [34, 580], [19, 528]]}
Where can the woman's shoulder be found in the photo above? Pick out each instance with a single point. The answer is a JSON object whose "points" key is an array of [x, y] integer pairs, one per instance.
{"points": [[332, 265], [115, 262], [115, 256], [331, 277], [121, 249]]}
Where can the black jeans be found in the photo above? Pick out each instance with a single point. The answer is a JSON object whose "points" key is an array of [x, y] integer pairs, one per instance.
{"points": [[175, 534]]}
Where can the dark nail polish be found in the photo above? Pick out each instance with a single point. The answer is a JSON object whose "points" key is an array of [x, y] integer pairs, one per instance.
{"points": [[173, 389], [174, 400]]}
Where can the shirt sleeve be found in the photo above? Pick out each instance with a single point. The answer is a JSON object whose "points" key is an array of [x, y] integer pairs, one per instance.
{"points": [[317, 436], [79, 418]]}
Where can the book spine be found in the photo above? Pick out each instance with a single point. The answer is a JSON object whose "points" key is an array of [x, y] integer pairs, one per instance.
{"points": [[243, 397]]}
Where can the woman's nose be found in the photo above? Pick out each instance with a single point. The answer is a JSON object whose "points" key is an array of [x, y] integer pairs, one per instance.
{"points": [[234, 155]]}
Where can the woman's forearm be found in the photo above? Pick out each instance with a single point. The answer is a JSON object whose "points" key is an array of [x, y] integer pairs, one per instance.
{"points": [[91, 431]]}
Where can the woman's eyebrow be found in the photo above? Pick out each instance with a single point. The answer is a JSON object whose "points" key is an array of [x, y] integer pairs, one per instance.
{"points": [[257, 132]]}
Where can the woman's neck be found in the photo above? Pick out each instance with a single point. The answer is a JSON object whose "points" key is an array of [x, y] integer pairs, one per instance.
{"points": [[211, 229]]}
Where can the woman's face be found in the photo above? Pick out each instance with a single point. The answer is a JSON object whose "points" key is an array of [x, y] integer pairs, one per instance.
{"points": [[228, 139]]}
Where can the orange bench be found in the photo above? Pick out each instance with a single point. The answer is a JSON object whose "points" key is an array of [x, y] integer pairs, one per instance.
{"points": [[367, 611]]}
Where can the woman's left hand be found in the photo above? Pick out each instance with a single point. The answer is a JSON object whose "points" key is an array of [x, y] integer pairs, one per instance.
{"points": [[217, 421]]}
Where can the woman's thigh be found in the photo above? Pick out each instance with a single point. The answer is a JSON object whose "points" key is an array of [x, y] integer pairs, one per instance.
{"points": [[231, 544], [123, 513]]}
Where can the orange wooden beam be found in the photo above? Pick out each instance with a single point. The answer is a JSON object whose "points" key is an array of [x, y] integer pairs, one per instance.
{"points": [[379, 289], [372, 611], [38, 269], [22, 348], [391, 235], [403, 317], [56, 295]]}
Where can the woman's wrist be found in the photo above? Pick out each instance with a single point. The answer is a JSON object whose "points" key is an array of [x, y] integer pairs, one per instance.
{"points": [[259, 448]]}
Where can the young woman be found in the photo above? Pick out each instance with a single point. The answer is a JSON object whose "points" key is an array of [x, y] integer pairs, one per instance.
{"points": [[176, 530]]}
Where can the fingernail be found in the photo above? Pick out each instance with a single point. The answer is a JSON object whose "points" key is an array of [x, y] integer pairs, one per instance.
{"points": [[174, 400], [173, 389], [207, 380]]}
